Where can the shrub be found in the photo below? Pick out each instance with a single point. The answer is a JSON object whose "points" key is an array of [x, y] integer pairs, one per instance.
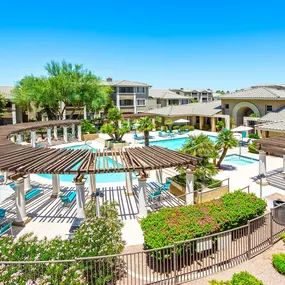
{"points": [[87, 127], [189, 128], [254, 136], [164, 128], [241, 278], [252, 149], [206, 127], [278, 261], [175, 127], [171, 225], [95, 237]]}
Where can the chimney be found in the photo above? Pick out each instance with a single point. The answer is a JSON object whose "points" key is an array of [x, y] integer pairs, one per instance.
{"points": [[109, 79]]}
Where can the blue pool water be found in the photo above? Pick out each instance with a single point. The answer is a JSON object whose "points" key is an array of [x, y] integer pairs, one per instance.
{"points": [[175, 143], [239, 160]]}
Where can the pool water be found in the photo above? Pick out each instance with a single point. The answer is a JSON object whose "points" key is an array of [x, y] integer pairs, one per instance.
{"points": [[239, 160], [175, 143]]}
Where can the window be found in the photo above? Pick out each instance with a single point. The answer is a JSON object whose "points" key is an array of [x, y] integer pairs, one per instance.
{"points": [[125, 103], [141, 102], [269, 108], [204, 99], [126, 90], [173, 102], [227, 106], [185, 101], [140, 89]]}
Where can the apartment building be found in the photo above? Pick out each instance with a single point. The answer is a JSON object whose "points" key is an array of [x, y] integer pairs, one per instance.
{"points": [[198, 95]]}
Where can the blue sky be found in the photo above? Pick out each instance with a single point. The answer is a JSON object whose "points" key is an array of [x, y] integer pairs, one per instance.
{"points": [[199, 44]]}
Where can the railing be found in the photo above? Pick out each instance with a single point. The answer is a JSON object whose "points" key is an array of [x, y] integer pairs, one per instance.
{"points": [[183, 261]]}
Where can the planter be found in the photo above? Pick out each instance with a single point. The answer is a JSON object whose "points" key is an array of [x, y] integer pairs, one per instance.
{"points": [[90, 137], [177, 190], [116, 146]]}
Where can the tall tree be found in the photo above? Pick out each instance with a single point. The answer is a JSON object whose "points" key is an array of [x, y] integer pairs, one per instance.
{"points": [[145, 125], [225, 141], [65, 82], [3, 103]]}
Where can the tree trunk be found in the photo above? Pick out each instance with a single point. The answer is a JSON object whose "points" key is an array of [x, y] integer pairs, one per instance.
{"points": [[146, 138], [222, 157]]}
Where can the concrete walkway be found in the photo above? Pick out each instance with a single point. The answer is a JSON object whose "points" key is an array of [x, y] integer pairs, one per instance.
{"points": [[259, 266]]}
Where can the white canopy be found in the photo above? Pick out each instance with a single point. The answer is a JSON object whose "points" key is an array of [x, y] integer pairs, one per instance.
{"points": [[241, 129], [181, 121]]}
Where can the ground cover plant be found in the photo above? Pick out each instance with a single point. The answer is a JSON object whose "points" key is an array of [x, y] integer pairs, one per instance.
{"points": [[95, 237]]}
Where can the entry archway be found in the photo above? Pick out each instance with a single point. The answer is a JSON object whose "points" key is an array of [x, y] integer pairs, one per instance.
{"points": [[244, 109]]}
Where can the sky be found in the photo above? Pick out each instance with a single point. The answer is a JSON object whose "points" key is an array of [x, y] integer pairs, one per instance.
{"points": [[223, 45]]}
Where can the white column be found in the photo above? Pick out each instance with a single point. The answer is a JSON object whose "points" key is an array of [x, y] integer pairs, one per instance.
{"points": [[55, 185], [14, 114], [73, 130], [118, 98], [153, 122], [135, 103], [65, 134], [27, 183], [92, 184], [33, 138], [213, 124], [284, 164], [142, 202], [228, 122], [21, 214], [85, 113], [262, 162], [19, 138], [159, 176], [129, 183], [80, 198], [55, 132], [189, 187], [49, 136], [79, 133], [5, 174], [64, 113]]}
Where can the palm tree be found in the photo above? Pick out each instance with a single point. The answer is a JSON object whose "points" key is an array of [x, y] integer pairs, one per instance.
{"points": [[145, 125], [225, 141]]}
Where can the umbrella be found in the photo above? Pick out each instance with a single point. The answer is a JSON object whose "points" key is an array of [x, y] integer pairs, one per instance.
{"points": [[5, 192], [181, 121], [241, 129]]}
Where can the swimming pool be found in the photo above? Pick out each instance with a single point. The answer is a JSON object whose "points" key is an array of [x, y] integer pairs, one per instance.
{"points": [[175, 143], [100, 178], [239, 160]]}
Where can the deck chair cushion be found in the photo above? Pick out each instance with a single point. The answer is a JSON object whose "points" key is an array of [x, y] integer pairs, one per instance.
{"points": [[2, 213], [33, 193]]}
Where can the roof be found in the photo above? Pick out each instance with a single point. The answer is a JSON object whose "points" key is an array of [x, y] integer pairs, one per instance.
{"points": [[272, 126], [273, 145], [19, 159], [261, 93], [165, 94], [191, 90], [125, 83], [198, 109], [275, 116], [6, 90]]}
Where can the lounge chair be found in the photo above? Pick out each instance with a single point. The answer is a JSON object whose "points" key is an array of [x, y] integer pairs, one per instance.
{"points": [[138, 138], [33, 194], [170, 134], [160, 134], [2, 178], [68, 198], [245, 143], [180, 132], [154, 196], [2, 214], [5, 227]]}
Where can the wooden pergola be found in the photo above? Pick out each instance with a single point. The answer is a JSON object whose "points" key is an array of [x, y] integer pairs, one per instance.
{"points": [[273, 145]]}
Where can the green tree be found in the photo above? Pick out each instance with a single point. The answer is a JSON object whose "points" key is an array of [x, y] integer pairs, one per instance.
{"points": [[169, 123], [65, 82], [145, 125], [112, 128], [225, 141], [3, 103]]}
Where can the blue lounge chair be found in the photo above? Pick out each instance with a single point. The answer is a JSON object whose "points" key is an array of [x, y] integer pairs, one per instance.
{"points": [[136, 137], [2, 214], [5, 227], [12, 185], [170, 134], [160, 134], [33, 194], [180, 132], [244, 143], [2, 178], [68, 198]]}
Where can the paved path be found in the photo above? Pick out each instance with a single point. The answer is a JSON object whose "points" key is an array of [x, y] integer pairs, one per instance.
{"points": [[259, 266]]}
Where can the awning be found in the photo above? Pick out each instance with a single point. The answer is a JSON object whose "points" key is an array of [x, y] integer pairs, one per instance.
{"points": [[181, 121]]}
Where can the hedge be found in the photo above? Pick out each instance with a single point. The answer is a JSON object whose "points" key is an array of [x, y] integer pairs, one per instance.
{"points": [[189, 128], [242, 278], [171, 225], [278, 261], [252, 149]]}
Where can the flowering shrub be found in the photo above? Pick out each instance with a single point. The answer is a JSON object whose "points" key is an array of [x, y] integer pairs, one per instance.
{"points": [[95, 237], [171, 225]]}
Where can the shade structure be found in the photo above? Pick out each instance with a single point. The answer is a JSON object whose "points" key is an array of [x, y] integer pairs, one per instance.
{"points": [[241, 129], [181, 121]]}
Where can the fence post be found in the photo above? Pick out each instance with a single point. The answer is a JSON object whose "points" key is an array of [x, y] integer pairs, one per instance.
{"points": [[248, 241], [271, 227], [175, 263], [229, 184]]}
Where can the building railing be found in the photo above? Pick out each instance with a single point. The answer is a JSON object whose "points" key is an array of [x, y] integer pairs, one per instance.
{"points": [[181, 262]]}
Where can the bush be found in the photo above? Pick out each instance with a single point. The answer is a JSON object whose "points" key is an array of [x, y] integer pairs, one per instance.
{"points": [[190, 128], [171, 225], [242, 278], [252, 149], [254, 136], [164, 128], [87, 127], [278, 261], [175, 127], [206, 127], [95, 237]]}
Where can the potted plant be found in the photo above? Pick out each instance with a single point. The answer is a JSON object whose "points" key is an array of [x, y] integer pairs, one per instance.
{"points": [[89, 131]]}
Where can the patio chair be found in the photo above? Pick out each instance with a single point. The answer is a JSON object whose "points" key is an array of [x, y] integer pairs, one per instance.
{"points": [[68, 199], [5, 227], [2, 178], [180, 132], [155, 196], [138, 138], [160, 134], [245, 143], [170, 134], [33, 194], [2, 214]]}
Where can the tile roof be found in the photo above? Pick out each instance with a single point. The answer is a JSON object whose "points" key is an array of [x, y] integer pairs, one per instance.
{"points": [[191, 90], [261, 93], [198, 109], [272, 126], [276, 116], [165, 94], [125, 83], [6, 90]]}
